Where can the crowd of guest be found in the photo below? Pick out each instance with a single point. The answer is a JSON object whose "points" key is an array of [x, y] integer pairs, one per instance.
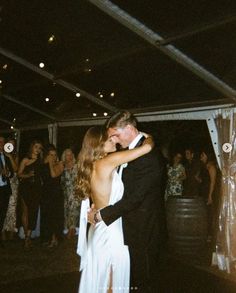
{"points": [[195, 175], [38, 184]]}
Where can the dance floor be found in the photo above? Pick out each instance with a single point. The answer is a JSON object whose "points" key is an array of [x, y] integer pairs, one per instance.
{"points": [[44, 270], [39, 269]]}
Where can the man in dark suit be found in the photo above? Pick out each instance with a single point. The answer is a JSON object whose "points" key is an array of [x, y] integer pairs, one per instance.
{"points": [[6, 171], [141, 207]]}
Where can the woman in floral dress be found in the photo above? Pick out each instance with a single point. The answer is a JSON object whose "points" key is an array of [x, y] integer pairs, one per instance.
{"points": [[71, 202], [176, 175], [10, 220]]}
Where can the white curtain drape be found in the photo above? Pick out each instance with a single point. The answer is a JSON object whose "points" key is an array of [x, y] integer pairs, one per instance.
{"points": [[225, 255], [52, 132]]}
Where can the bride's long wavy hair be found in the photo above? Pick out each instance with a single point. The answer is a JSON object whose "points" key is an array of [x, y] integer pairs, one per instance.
{"points": [[91, 151]]}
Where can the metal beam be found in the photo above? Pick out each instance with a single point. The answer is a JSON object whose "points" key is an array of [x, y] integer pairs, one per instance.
{"points": [[61, 82], [9, 98], [190, 113], [213, 132], [6, 121], [155, 39], [197, 30]]}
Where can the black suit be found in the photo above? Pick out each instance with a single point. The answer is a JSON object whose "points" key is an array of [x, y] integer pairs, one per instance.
{"points": [[141, 209], [5, 192]]}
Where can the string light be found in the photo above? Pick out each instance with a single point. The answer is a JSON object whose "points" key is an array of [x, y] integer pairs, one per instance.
{"points": [[94, 114], [78, 95], [12, 127], [101, 95], [47, 100], [51, 39], [41, 65], [112, 94], [105, 113], [0, 81], [5, 66]]}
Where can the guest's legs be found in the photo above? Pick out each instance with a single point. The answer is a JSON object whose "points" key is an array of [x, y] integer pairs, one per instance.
{"points": [[4, 201], [71, 233], [25, 223], [54, 241]]}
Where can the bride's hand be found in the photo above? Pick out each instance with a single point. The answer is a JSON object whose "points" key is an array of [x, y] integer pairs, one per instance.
{"points": [[144, 134], [149, 141]]}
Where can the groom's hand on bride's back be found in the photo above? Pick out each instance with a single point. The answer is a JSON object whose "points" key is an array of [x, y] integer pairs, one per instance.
{"points": [[91, 213], [94, 216]]}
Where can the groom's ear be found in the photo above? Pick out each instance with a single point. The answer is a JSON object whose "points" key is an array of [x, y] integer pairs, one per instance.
{"points": [[129, 127]]}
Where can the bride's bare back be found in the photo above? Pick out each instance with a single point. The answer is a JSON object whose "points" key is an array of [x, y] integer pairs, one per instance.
{"points": [[101, 180]]}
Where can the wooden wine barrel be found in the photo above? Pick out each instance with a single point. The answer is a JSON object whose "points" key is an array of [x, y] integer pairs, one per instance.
{"points": [[187, 225]]}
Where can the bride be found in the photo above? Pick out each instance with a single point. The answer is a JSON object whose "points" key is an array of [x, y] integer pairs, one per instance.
{"points": [[105, 262]]}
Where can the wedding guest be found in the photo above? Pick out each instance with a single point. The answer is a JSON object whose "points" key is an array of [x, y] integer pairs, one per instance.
{"points": [[176, 176], [209, 188], [6, 171], [192, 168], [9, 228], [68, 183], [30, 189], [52, 203]]}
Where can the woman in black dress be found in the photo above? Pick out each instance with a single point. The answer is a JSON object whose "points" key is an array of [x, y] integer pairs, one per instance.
{"points": [[30, 189], [209, 189], [52, 203]]}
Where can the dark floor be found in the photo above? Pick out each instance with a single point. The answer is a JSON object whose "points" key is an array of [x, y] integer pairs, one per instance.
{"points": [[18, 265], [44, 270]]}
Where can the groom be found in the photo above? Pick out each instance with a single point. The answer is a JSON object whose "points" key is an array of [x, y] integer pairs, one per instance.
{"points": [[141, 207]]}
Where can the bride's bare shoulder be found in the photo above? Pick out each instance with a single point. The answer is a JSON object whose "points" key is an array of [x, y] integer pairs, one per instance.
{"points": [[102, 167]]}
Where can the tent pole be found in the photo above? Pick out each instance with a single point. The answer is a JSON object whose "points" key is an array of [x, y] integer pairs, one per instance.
{"points": [[214, 139]]}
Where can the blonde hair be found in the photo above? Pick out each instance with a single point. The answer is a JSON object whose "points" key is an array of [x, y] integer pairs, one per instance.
{"points": [[91, 151], [63, 156]]}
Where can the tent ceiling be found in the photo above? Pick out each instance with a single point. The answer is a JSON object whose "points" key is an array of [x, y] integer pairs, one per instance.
{"points": [[95, 53]]}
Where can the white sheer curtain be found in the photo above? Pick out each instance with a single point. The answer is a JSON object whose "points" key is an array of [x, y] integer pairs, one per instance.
{"points": [[225, 255], [52, 133]]}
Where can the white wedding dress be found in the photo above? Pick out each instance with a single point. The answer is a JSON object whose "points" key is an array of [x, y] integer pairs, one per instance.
{"points": [[104, 251]]}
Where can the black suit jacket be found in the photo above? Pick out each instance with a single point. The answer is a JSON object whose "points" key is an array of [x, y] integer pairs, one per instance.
{"points": [[141, 206], [9, 166]]}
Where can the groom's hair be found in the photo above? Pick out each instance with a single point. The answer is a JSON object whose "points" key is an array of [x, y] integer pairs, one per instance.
{"points": [[121, 119]]}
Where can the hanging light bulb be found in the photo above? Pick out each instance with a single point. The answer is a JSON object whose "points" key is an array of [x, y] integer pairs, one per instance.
{"points": [[51, 39]]}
